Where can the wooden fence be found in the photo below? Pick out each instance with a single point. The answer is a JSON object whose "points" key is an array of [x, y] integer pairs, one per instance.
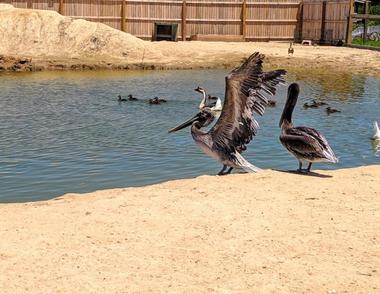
{"points": [[325, 21], [260, 20]]}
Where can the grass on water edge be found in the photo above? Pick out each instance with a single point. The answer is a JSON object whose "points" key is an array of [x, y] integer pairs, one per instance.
{"points": [[367, 43]]}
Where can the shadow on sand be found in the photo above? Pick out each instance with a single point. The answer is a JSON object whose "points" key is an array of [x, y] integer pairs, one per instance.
{"points": [[308, 174]]}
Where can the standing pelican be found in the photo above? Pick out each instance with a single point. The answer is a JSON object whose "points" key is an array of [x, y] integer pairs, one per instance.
{"points": [[215, 106], [244, 94], [376, 129], [306, 144]]}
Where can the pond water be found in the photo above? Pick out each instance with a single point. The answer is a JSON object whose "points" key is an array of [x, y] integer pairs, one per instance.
{"points": [[65, 132]]}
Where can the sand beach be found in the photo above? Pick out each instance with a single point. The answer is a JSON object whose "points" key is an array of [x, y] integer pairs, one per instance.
{"points": [[270, 232]]}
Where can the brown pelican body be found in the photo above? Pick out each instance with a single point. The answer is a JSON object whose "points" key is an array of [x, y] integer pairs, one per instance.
{"points": [[236, 127], [306, 144]]}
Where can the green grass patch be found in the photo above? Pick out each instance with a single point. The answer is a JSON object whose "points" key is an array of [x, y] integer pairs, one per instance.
{"points": [[367, 43]]}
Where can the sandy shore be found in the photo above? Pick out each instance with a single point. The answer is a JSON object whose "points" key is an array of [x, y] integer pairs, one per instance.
{"points": [[45, 40], [272, 232]]}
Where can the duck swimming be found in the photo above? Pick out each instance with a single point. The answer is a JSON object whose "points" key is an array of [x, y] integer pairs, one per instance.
{"points": [[307, 105], [214, 106], [131, 98], [121, 99], [318, 103], [330, 110], [306, 144], [156, 100], [376, 135]]}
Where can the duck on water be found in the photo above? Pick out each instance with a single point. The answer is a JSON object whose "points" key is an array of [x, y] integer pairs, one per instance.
{"points": [[306, 144], [236, 126], [156, 100]]}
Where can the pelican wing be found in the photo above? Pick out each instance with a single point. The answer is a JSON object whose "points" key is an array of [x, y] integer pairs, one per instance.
{"points": [[246, 86], [308, 142]]}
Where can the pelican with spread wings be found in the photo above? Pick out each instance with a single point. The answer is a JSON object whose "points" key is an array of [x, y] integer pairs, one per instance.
{"points": [[246, 86]]}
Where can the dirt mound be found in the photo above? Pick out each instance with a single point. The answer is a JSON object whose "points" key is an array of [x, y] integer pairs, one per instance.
{"points": [[47, 34]]}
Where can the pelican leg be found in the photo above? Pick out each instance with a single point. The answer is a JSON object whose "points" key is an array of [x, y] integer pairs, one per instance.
{"points": [[228, 171], [299, 167], [221, 173], [309, 167]]}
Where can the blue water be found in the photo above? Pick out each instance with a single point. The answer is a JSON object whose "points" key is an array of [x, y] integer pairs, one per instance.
{"points": [[65, 132]]}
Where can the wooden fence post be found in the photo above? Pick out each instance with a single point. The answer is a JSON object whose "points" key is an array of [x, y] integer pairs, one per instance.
{"points": [[60, 8], [323, 21], [244, 19], [365, 28], [123, 14], [183, 24], [300, 21], [349, 23]]}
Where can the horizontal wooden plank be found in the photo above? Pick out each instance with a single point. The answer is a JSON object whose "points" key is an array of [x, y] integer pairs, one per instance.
{"points": [[215, 38], [216, 3], [367, 16], [190, 20], [273, 3], [269, 38], [179, 3], [153, 19], [272, 20]]}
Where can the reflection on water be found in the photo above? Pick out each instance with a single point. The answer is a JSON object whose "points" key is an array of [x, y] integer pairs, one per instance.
{"points": [[376, 147], [65, 132]]}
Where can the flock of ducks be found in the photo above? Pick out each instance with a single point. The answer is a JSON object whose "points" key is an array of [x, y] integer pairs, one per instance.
{"points": [[317, 104], [155, 100], [246, 87]]}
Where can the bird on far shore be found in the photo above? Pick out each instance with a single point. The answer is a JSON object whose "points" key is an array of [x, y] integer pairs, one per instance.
{"points": [[131, 98], [376, 135], [121, 99], [330, 110], [304, 143], [290, 49]]}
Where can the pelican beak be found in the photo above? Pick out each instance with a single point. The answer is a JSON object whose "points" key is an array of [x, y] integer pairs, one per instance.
{"points": [[198, 90], [185, 124]]}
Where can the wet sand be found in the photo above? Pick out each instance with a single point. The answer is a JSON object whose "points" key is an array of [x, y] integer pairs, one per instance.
{"points": [[271, 232]]}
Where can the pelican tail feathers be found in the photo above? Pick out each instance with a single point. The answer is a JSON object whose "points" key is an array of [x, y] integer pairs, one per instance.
{"points": [[245, 165]]}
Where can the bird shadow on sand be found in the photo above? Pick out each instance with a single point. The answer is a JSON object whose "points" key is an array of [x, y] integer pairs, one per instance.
{"points": [[308, 174]]}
